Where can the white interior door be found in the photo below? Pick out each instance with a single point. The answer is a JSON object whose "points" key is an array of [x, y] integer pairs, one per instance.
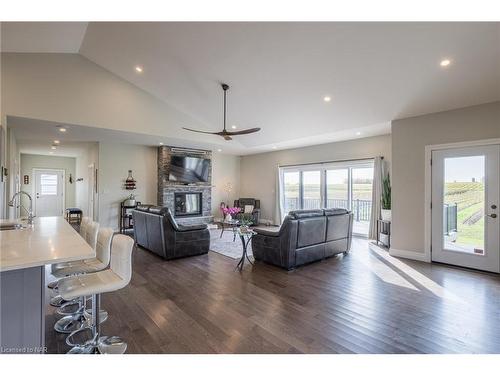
{"points": [[49, 192], [465, 200]]}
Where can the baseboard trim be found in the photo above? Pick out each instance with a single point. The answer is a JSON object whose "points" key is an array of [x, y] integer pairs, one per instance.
{"points": [[413, 255]]}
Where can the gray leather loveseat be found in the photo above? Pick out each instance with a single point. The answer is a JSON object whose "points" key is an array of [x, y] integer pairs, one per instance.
{"points": [[305, 236], [156, 230]]}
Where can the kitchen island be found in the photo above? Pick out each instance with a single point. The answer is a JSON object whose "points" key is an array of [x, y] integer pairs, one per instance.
{"points": [[24, 252]]}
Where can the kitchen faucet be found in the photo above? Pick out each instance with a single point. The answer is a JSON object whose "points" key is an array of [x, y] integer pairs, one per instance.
{"points": [[29, 211]]}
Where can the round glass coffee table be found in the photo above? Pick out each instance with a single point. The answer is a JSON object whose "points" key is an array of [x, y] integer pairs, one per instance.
{"points": [[230, 224], [245, 235]]}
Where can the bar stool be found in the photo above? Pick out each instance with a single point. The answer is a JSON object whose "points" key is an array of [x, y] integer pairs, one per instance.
{"points": [[116, 277], [91, 238], [73, 211], [83, 232], [74, 320]]}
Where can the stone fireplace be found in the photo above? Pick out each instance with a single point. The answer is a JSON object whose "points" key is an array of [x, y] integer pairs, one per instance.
{"points": [[187, 204], [190, 203]]}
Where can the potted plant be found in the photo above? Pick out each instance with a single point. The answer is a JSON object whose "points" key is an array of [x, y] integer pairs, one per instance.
{"points": [[386, 199]]}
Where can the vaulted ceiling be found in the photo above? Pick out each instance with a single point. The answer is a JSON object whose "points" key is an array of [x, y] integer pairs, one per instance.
{"points": [[279, 73]]}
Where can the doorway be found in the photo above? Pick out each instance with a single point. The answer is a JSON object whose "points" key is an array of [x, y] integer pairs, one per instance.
{"points": [[49, 192], [464, 207]]}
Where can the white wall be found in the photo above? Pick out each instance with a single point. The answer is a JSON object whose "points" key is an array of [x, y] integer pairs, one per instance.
{"points": [[114, 162], [87, 157], [28, 162], [70, 89], [258, 172], [13, 165], [225, 169], [409, 138]]}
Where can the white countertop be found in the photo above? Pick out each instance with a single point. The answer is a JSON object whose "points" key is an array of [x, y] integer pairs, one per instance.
{"points": [[50, 240]]}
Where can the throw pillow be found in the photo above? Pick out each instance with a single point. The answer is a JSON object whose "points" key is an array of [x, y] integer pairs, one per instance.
{"points": [[248, 209]]}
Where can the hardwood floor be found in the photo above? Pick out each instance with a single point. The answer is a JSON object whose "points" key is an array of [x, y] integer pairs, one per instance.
{"points": [[365, 302]]}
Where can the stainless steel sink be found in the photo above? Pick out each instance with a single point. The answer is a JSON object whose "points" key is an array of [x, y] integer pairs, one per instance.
{"points": [[12, 227]]}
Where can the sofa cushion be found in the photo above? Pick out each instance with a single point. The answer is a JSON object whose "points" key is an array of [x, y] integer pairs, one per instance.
{"points": [[335, 211], [158, 210], [311, 231], [301, 214], [143, 207], [337, 226], [186, 228]]}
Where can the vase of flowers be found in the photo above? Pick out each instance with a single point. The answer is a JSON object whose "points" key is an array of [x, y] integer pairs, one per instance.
{"points": [[229, 212]]}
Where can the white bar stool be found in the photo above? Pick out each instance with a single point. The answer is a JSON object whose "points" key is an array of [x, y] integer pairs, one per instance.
{"points": [[109, 280], [91, 238], [76, 319], [83, 232]]}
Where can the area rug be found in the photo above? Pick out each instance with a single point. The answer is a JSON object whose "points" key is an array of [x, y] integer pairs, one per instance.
{"points": [[226, 246]]}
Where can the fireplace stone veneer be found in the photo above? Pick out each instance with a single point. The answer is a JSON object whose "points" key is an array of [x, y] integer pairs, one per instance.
{"points": [[167, 189]]}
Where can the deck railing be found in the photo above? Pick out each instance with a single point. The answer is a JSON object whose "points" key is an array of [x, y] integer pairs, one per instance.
{"points": [[361, 208]]}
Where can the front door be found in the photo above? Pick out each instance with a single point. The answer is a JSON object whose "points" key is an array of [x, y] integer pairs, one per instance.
{"points": [[49, 192], [465, 200]]}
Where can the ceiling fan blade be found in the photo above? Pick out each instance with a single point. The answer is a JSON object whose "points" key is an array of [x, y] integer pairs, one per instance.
{"points": [[245, 131], [200, 131]]}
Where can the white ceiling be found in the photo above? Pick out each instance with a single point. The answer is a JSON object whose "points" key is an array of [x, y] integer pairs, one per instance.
{"points": [[279, 72], [62, 37]]}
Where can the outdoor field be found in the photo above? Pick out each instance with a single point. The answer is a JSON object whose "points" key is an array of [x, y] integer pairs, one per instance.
{"points": [[469, 197]]}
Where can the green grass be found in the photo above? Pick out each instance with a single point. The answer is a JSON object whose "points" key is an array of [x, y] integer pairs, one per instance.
{"points": [[469, 198]]}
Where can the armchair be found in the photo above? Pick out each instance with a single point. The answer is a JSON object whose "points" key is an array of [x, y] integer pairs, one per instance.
{"points": [[250, 213]]}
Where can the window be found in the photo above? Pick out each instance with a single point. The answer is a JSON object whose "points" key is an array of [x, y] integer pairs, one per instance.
{"points": [[311, 185], [332, 185], [48, 184], [291, 189]]}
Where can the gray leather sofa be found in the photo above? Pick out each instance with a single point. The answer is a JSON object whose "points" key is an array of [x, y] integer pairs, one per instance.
{"points": [[156, 230], [304, 237]]}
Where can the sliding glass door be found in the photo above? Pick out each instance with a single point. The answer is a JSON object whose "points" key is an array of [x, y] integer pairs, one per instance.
{"points": [[332, 185], [311, 190]]}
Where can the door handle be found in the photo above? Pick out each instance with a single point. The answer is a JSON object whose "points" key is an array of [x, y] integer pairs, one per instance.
{"points": [[493, 216]]}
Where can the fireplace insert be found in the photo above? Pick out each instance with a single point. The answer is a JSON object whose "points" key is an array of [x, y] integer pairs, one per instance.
{"points": [[187, 204]]}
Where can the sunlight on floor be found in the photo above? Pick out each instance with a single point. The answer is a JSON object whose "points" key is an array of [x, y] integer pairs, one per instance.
{"points": [[416, 276], [386, 273]]}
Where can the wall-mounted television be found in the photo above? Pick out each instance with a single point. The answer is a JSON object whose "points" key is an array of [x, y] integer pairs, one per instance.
{"points": [[188, 169]]}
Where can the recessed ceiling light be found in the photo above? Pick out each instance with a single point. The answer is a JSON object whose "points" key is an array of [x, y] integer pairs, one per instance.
{"points": [[138, 69], [233, 127], [445, 62], [219, 150], [161, 143], [51, 152], [358, 133], [62, 130], [53, 147], [56, 141], [327, 99], [274, 147]]}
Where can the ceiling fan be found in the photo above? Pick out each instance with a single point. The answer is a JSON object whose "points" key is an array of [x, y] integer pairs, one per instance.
{"points": [[224, 133]]}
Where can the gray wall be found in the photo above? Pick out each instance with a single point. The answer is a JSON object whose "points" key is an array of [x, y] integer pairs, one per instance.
{"points": [[258, 172], [115, 159], [28, 162], [409, 138]]}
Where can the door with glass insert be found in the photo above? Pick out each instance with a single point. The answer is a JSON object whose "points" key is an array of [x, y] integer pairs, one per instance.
{"points": [[465, 199], [49, 187]]}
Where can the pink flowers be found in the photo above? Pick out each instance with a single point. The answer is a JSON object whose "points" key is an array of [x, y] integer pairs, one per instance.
{"points": [[231, 210]]}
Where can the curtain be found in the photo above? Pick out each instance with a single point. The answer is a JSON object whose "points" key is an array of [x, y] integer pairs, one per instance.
{"points": [[278, 210], [378, 176]]}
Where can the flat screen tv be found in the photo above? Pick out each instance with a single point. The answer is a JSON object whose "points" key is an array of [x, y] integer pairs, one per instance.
{"points": [[188, 169]]}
